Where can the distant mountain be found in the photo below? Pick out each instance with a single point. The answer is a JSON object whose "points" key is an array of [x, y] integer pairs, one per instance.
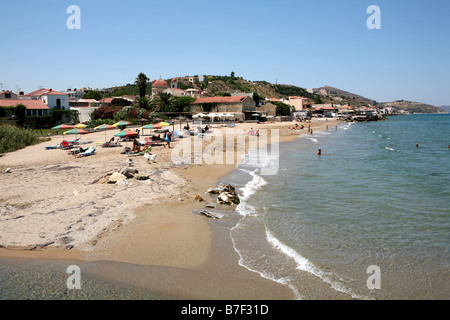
{"points": [[412, 107], [335, 92], [445, 108]]}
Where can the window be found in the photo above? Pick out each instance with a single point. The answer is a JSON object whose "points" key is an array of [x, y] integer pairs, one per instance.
{"points": [[58, 103], [7, 95]]}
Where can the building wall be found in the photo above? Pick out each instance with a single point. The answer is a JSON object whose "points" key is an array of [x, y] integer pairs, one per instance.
{"points": [[51, 101], [12, 95], [269, 109], [84, 113], [175, 93]]}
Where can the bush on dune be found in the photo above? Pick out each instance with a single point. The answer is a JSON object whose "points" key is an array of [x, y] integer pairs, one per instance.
{"points": [[14, 138]]}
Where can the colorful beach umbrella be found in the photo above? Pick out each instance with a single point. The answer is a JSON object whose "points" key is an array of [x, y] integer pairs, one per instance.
{"points": [[121, 124], [104, 127], [149, 126], [80, 126], [164, 124], [62, 126], [126, 134], [76, 131]]}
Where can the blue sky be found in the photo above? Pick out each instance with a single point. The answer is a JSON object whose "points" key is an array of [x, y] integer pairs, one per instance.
{"points": [[305, 43]]}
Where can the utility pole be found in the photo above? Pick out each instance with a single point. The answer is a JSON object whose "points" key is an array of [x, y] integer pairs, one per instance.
{"points": [[1, 85]]}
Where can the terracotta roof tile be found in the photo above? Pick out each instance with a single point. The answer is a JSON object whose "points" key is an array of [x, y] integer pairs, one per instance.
{"points": [[29, 104], [220, 99]]}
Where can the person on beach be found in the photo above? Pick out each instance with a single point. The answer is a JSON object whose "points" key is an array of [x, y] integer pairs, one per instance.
{"points": [[136, 146], [168, 138], [319, 152]]}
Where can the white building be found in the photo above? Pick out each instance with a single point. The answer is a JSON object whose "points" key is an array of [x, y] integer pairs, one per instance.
{"points": [[53, 99]]}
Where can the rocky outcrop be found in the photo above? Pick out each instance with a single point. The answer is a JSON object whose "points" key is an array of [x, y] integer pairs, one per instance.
{"points": [[226, 194]]}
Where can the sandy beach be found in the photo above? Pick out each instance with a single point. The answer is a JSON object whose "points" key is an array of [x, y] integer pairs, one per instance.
{"points": [[54, 206]]}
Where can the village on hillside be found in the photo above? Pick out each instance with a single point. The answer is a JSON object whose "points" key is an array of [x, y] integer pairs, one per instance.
{"points": [[159, 99]]}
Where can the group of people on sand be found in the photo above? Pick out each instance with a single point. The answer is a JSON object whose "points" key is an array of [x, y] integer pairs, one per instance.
{"points": [[253, 132], [297, 127], [167, 138]]}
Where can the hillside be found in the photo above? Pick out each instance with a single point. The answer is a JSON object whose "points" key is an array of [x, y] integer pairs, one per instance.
{"points": [[231, 85], [345, 95], [412, 107]]}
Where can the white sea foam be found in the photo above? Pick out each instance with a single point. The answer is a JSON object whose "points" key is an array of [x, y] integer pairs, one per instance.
{"points": [[304, 264], [390, 149]]}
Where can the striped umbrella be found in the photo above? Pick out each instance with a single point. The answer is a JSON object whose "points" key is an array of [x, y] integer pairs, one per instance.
{"points": [[104, 127]]}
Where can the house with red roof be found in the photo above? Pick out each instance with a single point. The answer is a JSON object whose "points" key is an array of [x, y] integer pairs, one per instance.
{"points": [[34, 107], [6, 94], [159, 86], [53, 99]]}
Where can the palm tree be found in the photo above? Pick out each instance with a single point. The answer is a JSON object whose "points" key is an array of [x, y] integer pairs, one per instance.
{"points": [[164, 102], [143, 103], [141, 82]]}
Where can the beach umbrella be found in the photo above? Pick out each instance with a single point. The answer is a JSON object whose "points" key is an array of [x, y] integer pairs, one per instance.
{"points": [[80, 126], [104, 127], [76, 132], [62, 126], [121, 124], [163, 124], [126, 134], [149, 126]]}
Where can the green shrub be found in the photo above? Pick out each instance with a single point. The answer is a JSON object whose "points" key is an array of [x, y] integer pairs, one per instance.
{"points": [[14, 138]]}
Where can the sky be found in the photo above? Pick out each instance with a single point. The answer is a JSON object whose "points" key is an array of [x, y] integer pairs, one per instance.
{"points": [[305, 43]]}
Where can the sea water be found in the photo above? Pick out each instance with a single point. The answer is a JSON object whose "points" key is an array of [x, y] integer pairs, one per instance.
{"points": [[379, 195]]}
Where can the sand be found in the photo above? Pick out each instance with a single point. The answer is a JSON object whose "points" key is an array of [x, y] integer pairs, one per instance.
{"points": [[56, 206]]}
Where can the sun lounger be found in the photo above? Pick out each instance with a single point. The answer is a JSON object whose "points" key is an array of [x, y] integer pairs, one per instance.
{"points": [[65, 145], [83, 142], [90, 151], [77, 151], [53, 147], [110, 145], [74, 141]]}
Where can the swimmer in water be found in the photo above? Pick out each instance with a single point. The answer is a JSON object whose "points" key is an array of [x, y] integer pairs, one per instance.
{"points": [[319, 152]]}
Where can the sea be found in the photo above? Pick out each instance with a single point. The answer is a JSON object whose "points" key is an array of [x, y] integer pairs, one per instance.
{"points": [[369, 218]]}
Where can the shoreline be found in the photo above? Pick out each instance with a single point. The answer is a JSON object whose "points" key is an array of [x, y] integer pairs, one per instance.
{"points": [[179, 244]]}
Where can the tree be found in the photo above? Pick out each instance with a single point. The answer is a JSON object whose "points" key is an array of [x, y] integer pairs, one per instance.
{"points": [[183, 104], [120, 102], [143, 103], [163, 102], [141, 82], [257, 98], [20, 113], [96, 95], [232, 75]]}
